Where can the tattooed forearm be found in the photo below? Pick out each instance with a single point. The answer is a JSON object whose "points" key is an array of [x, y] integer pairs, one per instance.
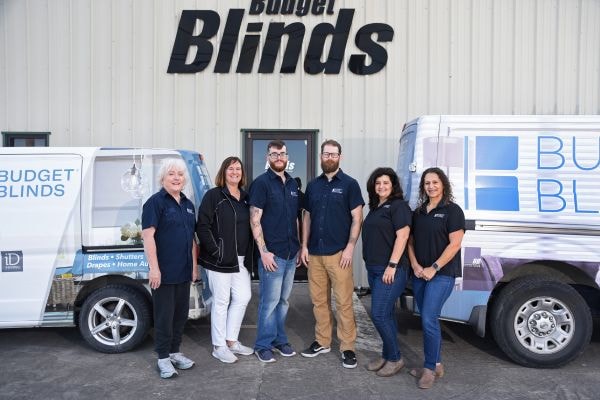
{"points": [[255, 216]]}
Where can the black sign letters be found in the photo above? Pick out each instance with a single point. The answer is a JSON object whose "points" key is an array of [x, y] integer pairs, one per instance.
{"points": [[367, 40]]}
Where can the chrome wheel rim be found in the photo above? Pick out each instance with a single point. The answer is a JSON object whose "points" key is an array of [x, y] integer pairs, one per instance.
{"points": [[112, 321], [544, 325]]}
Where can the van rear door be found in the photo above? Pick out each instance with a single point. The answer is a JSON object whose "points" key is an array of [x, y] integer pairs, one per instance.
{"points": [[39, 226]]}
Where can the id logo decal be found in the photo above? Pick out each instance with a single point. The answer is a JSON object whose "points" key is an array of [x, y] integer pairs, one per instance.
{"points": [[12, 261]]}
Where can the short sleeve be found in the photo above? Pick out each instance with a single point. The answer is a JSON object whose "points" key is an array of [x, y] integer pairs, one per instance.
{"points": [[355, 198], [150, 213], [305, 199], [401, 214], [456, 218], [258, 193]]}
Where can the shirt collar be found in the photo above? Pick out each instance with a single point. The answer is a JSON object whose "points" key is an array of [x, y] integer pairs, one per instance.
{"points": [[440, 206], [339, 175], [164, 193], [272, 175], [225, 190]]}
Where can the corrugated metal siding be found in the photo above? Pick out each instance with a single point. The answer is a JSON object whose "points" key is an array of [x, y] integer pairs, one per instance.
{"points": [[94, 73]]}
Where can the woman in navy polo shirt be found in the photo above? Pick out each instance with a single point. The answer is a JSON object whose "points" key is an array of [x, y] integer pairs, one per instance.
{"points": [[168, 222], [385, 233], [434, 250]]}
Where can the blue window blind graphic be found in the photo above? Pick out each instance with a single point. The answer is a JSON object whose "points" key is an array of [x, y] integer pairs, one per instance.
{"points": [[499, 153], [497, 193]]}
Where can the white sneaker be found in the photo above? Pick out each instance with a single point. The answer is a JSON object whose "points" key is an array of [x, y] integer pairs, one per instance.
{"points": [[223, 354], [180, 361], [166, 369], [239, 348]]}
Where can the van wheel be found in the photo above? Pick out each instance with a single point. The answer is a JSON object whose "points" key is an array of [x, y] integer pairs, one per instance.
{"points": [[541, 323], [115, 319]]}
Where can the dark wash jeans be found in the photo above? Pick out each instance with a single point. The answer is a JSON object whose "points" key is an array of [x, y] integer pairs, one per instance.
{"points": [[383, 307], [430, 297]]}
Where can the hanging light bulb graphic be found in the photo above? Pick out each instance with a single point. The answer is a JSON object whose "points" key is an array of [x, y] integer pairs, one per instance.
{"points": [[131, 180]]}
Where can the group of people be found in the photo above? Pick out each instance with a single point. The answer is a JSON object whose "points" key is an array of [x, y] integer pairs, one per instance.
{"points": [[236, 229]]}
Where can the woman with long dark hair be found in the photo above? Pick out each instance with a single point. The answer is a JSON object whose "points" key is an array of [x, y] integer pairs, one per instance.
{"points": [[434, 247], [384, 234]]}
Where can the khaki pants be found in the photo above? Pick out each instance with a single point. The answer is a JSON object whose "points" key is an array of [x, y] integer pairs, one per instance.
{"points": [[324, 274]]}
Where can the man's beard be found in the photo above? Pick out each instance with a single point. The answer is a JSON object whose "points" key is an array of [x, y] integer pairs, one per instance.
{"points": [[329, 166], [275, 167]]}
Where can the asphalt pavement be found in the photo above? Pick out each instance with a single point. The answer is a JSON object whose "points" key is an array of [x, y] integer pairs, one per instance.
{"points": [[55, 363]]}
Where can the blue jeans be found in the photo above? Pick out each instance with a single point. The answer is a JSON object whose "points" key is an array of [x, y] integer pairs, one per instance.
{"points": [[383, 307], [430, 297], [275, 290]]}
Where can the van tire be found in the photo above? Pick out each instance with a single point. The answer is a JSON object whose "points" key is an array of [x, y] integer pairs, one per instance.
{"points": [[541, 323], [110, 332]]}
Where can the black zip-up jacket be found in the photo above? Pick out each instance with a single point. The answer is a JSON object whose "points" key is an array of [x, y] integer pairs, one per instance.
{"points": [[216, 230]]}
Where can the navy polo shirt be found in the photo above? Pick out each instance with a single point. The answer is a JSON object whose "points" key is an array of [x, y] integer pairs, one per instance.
{"points": [[430, 232], [279, 203], [175, 226], [379, 232], [329, 204]]}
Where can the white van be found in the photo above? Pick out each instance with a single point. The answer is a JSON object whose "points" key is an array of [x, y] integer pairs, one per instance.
{"points": [[70, 240], [531, 254]]}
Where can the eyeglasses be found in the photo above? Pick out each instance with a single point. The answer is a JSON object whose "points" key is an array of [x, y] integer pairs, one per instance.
{"points": [[275, 156], [335, 156]]}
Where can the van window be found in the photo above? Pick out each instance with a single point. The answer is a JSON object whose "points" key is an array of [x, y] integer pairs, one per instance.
{"points": [[405, 158], [116, 213]]}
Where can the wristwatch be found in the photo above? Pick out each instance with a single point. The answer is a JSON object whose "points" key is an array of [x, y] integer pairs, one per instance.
{"points": [[436, 267], [392, 264]]}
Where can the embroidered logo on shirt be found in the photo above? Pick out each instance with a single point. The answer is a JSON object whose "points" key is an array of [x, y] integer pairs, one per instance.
{"points": [[439, 215], [189, 210], [294, 194], [337, 190]]}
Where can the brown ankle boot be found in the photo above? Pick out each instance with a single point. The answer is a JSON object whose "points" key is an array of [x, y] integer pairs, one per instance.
{"points": [[376, 365], [390, 368], [439, 371], [427, 379]]}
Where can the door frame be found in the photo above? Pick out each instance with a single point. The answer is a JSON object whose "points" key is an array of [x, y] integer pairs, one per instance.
{"points": [[310, 135]]}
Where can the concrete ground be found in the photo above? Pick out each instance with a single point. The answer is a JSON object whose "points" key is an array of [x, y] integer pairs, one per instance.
{"points": [[57, 364]]}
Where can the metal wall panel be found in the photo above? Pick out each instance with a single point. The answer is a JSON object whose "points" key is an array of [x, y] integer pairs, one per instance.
{"points": [[3, 66], [16, 64], [81, 80], [94, 73], [59, 87]]}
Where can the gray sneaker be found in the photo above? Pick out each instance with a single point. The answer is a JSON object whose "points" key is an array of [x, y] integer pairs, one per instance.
{"points": [[239, 348], [165, 368], [180, 361], [223, 354]]}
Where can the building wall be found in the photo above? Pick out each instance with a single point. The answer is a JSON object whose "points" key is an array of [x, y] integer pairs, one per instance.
{"points": [[94, 73]]}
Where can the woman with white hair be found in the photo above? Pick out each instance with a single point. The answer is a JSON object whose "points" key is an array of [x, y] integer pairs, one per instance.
{"points": [[168, 225]]}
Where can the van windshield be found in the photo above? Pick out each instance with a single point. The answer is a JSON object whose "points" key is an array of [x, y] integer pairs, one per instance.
{"points": [[116, 208], [405, 159]]}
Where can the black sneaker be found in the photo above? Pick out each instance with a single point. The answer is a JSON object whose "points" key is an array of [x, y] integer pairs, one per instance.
{"points": [[315, 349], [348, 359]]}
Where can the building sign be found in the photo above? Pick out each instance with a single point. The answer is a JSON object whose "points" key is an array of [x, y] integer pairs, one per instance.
{"points": [[367, 40]]}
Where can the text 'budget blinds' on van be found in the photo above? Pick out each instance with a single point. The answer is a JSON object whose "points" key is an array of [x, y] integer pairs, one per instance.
{"points": [[527, 185], [71, 248]]}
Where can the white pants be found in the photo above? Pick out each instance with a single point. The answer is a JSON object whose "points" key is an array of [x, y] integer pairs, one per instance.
{"points": [[231, 294]]}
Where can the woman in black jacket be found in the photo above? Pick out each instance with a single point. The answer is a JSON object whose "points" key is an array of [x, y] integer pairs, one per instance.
{"points": [[226, 253]]}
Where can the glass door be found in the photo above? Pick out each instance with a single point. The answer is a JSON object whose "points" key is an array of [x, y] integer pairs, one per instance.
{"points": [[301, 161]]}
